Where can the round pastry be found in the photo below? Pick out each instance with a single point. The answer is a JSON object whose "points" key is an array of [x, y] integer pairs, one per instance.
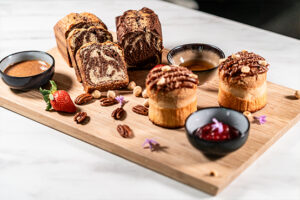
{"points": [[243, 85], [172, 95]]}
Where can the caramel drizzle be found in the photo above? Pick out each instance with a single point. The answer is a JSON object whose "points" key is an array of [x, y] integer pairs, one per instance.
{"points": [[175, 78]]}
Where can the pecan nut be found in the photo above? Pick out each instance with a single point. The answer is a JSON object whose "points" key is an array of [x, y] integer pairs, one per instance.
{"points": [[80, 117], [118, 113], [108, 101], [124, 131], [83, 98], [140, 109]]}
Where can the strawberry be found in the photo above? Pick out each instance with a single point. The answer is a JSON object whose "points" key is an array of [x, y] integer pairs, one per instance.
{"points": [[59, 100]]}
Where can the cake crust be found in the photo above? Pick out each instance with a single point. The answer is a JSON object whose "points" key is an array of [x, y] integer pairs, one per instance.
{"points": [[71, 21], [172, 92], [242, 82]]}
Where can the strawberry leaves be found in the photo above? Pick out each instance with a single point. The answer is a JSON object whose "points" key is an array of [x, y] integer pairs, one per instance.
{"points": [[48, 94]]}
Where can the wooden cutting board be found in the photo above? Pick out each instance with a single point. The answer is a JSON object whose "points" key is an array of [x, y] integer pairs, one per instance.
{"points": [[179, 160]]}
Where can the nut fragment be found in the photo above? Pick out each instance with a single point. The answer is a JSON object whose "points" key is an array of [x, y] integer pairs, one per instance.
{"points": [[245, 69], [137, 91], [247, 114], [161, 81], [146, 103], [140, 109], [297, 94], [83, 98], [131, 85], [96, 94], [213, 173], [111, 94], [235, 56], [144, 93], [124, 131], [108, 101], [262, 62], [118, 113], [193, 75], [80, 117], [166, 68]]}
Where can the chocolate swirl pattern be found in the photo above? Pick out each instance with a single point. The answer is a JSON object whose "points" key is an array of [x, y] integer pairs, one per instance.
{"points": [[139, 33], [102, 66], [79, 37], [168, 78]]}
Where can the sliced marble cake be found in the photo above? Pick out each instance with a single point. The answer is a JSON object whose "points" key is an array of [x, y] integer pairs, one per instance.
{"points": [[79, 37], [102, 66], [70, 22], [139, 34]]}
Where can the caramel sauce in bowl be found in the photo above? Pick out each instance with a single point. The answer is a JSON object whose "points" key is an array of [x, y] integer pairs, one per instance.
{"points": [[201, 59], [27, 69]]}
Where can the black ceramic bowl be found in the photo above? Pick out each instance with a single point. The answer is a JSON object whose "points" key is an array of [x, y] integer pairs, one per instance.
{"points": [[199, 51], [28, 82], [225, 115]]}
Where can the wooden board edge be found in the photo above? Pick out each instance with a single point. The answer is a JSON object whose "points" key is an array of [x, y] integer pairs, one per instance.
{"points": [[110, 147]]}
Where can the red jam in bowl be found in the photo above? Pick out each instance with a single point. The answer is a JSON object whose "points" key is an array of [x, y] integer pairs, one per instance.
{"points": [[217, 131]]}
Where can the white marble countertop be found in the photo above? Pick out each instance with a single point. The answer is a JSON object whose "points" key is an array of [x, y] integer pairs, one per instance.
{"points": [[37, 162]]}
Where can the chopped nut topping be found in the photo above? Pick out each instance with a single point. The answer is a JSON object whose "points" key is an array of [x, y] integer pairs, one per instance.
{"points": [[193, 75], [111, 94], [96, 94], [137, 91], [245, 69], [165, 68], [297, 94], [262, 62], [131, 85], [161, 81], [144, 94], [235, 56]]}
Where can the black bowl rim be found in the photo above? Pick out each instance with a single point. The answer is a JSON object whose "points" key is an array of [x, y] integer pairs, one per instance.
{"points": [[197, 44], [18, 77], [224, 141]]}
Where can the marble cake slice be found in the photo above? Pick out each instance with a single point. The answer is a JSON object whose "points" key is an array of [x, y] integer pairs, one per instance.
{"points": [[70, 22], [139, 34], [79, 37], [102, 66]]}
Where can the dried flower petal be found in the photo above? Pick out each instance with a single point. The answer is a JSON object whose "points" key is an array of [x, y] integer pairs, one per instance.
{"points": [[261, 119], [151, 144], [217, 125], [121, 100]]}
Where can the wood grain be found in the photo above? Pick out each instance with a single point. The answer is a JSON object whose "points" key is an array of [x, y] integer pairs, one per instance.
{"points": [[179, 160]]}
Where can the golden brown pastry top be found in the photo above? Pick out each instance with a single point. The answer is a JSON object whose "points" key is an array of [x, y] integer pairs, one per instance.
{"points": [[168, 78], [243, 64]]}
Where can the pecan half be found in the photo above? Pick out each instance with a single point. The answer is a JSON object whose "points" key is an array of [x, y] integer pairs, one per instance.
{"points": [[118, 113], [140, 109], [124, 131], [80, 117], [83, 98], [108, 101]]}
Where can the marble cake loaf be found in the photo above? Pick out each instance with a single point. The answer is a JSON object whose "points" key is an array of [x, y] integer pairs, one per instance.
{"points": [[139, 34], [79, 37], [102, 66], [70, 22]]}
